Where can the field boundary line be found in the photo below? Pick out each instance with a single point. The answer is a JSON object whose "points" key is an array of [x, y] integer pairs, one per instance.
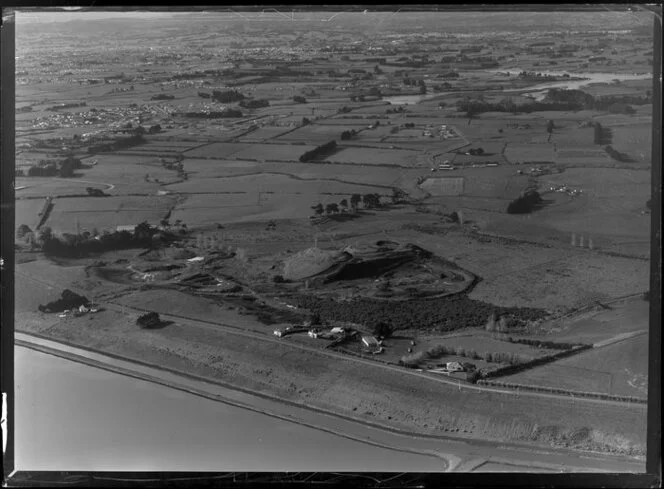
{"points": [[571, 393], [619, 338]]}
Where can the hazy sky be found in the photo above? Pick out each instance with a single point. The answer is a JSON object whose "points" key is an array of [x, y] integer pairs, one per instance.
{"points": [[64, 16]]}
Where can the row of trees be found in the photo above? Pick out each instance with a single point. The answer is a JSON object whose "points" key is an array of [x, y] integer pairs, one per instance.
{"points": [[602, 135], [73, 245], [437, 351], [319, 151], [216, 114], [370, 201]]}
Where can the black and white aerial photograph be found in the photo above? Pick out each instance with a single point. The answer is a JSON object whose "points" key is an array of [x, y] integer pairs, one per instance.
{"points": [[334, 240]]}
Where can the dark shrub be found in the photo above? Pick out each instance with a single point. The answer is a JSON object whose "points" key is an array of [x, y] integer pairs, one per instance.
{"points": [[149, 320]]}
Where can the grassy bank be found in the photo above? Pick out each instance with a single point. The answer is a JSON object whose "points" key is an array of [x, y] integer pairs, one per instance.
{"points": [[363, 391]]}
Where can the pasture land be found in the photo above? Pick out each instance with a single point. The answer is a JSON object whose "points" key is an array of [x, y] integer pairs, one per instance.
{"points": [[315, 133], [218, 151], [27, 211], [619, 369], [443, 186], [52, 186], [86, 213], [274, 183], [609, 207], [569, 134], [374, 156], [599, 324], [582, 156], [634, 140], [483, 183], [484, 343], [522, 153], [558, 282], [273, 152], [264, 133]]}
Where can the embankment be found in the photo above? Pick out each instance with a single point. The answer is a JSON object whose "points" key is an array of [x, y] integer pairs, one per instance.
{"points": [[370, 393]]}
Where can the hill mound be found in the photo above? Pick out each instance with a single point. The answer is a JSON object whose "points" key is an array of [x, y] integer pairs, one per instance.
{"points": [[311, 261]]}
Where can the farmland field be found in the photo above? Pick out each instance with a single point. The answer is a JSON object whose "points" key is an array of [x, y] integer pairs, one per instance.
{"points": [[317, 133], [482, 343], [634, 140], [374, 156], [519, 153], [202, 210], [609, 206], [483, 183], [264, 133], [443, 186], [88, 213], [43, 186], [601, 324], [277, 183], [273, 152], [236, 195], [619, 369], [217, 150], [27, 210]]}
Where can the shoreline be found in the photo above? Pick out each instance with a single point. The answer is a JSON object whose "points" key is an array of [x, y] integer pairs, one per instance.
{"points": [[411, 422], [230, 397]]}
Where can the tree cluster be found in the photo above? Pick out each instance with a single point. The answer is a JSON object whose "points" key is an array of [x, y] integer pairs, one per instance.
{"points": [[74, 245], [118, 144], [617, 155], [346, 135], [447, 314], [149, 320], [299, 99], [68, 300], [50, 168], [227, 96], [319, 152], [525, 203], [255, 104], [72, 105], [602, 135], [95, 192]]}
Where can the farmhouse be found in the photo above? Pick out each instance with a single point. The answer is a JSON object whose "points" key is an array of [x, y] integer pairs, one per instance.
{"points": [[454, 367], [129, 227], [370, 342]]}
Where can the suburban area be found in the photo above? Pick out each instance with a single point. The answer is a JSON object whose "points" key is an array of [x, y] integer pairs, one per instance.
{"points": [[434, 224]]}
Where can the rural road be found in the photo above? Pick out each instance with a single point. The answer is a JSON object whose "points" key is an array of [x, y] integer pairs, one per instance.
{"points": [[456, 455]]}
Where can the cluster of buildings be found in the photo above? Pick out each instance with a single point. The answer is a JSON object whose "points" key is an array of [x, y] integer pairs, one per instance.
{"points": [[337, 333]]}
